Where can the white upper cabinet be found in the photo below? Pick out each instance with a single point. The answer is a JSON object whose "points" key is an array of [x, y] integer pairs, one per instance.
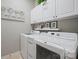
{"points": [[66, 8], [36, 14], [49, 10], [53, 10]]}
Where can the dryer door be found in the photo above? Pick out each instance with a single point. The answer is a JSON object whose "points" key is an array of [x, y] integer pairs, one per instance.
{"points": [[50, 51], [43, 53]]}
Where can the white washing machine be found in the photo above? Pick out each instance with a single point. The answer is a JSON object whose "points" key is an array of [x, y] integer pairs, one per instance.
{"points": [[53, 41], [68, 41]]}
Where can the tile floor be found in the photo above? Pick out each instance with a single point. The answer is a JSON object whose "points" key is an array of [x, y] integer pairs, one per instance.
{"points": [[15, 55]]}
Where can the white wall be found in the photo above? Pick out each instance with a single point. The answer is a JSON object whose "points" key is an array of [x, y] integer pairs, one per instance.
{"points": [[10, 30]]}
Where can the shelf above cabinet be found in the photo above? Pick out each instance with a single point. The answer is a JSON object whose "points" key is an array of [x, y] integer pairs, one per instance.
{"points": [[48, 29]]}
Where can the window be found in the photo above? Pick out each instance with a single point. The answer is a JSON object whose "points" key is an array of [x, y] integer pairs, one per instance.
{"points": [[39, 1]]}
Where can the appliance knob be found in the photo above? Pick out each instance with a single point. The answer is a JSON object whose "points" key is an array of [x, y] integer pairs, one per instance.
{"points": [[58, 34]]}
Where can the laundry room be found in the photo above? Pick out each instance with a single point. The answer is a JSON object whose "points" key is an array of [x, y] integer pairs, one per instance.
{"points": [[39, 29]]}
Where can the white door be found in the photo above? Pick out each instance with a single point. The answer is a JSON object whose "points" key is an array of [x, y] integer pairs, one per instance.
{"points": [[65, 8], [33, 16], [39, 15], [31, 49], [36, 14], [23, 46], [49, 10]]}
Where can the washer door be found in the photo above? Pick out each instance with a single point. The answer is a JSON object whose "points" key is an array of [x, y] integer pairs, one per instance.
{"points": [[57, 52], [43, 53]]}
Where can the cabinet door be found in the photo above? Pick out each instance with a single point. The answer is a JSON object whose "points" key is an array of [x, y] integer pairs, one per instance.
{"points": [[49, 10], [39, 14], [33, 16], [23, 46], [65, 8], [36, 14], [31, 50]]}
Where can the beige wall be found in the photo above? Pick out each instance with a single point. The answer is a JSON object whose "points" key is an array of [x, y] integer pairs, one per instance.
{"points": [[70, 25], [66, 25], [10, 30]]}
